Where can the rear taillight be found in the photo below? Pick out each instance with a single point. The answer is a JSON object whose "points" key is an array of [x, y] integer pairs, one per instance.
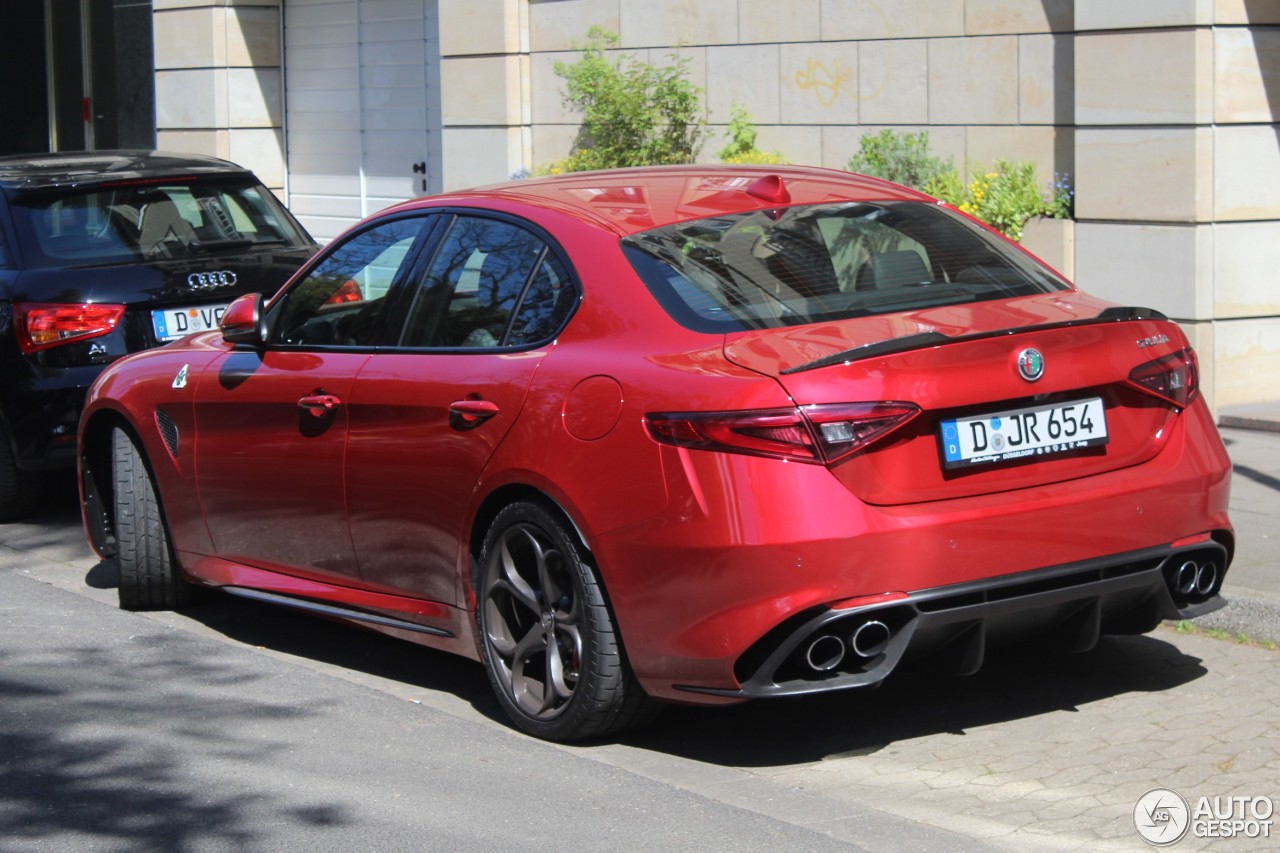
{"points": [[41, 326], [1174, 378], [821, 433], [348, 292]]}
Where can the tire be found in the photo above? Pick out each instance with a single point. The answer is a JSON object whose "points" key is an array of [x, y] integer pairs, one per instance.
{"points": [[149, 578], [557, 667], [19, 490]]}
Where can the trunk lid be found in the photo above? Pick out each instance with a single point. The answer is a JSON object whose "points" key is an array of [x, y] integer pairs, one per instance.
{"points": [[961, 362]]}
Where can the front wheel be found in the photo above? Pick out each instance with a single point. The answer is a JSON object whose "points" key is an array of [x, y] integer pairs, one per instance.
{"points": [[149, 576], [548, 640]]}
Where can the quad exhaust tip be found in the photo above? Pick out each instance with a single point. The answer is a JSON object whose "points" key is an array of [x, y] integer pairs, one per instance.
{"points": [[827, 651], [870, 639], [1194, 579]]}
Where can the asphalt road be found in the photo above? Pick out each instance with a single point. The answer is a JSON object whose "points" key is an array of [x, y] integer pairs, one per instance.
{"points": [[236, 726]]}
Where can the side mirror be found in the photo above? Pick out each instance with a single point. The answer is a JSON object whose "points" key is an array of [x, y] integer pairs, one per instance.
{"points": [[244, 322]]}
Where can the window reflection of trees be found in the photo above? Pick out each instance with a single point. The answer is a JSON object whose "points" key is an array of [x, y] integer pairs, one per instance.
{"points": [[307, 315], [475, 284]]}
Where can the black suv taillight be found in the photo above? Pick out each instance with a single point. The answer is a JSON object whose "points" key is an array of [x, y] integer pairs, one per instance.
{"points": [[820, 434], [44, 325], [1174, 378]]}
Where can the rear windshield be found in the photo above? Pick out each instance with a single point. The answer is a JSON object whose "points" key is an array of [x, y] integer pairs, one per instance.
{"points": [[799, 265], [148, 221]]}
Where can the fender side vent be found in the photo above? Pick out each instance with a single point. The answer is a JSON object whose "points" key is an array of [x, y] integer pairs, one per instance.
{"points": [[168, 431]]}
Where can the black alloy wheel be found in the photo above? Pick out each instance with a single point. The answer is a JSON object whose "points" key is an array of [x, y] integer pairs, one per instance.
{"points": [[549, 642]]}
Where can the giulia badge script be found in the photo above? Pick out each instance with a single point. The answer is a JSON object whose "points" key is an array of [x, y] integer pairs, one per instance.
{"points": [[1143, 343], [211, 280]]}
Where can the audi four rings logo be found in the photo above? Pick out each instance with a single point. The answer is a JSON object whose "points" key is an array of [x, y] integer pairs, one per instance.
{"points": [[211, 280]]}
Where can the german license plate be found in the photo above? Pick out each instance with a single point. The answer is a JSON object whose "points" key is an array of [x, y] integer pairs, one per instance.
{"points": [[1023, 434], [173, 323]]}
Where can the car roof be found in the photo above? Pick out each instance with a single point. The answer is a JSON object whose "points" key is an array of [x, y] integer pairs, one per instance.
{"points": [[87, 168], [632, 200]]}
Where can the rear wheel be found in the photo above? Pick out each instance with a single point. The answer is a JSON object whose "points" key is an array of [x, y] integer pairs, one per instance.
{"points": [[149, 578], [19, 489], [549, 642]]}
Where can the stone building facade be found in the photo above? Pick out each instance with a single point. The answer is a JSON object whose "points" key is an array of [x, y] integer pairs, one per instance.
{"points": [[1163, 112]]}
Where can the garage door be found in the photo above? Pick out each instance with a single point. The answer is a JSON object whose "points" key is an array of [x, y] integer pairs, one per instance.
{"points": [[362, 114]]}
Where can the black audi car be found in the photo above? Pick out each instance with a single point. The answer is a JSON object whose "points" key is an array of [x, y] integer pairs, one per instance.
{"points": [[104, 253]]}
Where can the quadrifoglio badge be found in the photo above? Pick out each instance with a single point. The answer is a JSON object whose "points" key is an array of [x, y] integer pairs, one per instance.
{"points": [[1163, 817]]}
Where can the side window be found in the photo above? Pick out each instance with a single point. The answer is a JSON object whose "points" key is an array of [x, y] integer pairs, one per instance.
{"points": [[474, 285], [548, 301], [340, 300]]}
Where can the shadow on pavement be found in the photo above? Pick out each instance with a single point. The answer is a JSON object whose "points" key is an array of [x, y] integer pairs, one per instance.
{"points": [[912, 704]]}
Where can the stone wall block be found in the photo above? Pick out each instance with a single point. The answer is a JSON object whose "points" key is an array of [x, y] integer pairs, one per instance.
{"points": [[1144, 78], [564, 25], [1246, 172], [191, 99], [996, 17], [1246, 353], [254, 97], [470, 28], [1246, 12], [771, 21], [973, 80], [253, 37], [1245, 259], [1246, 66], [819, 83], [474, 156], [1046, 79], [893, 81], [1144, 174], [885, 19], [747, 75], [1151, 266], [260, 149], [480, 90], [189, 38], [1113, 15], [678, 22]]}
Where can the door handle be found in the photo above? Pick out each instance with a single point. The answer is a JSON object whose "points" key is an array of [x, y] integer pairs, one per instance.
{"points": [[469, 414], [319, 405]]}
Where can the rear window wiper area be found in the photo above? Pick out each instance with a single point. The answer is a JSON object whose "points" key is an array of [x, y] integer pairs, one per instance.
{"points": [[201, 246]]}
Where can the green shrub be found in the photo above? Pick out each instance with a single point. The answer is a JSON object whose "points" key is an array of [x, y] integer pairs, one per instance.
{"points": [[899, 157], [1004, 195], [741, 147], [633, 113]]}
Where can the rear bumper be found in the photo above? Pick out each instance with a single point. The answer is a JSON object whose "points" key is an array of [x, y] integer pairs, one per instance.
{"points": [[949, 628], [750, 551]]}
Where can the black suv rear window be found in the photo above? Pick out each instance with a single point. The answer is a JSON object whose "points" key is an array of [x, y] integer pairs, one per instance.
{"points": [[147, 221], [807, 264]]}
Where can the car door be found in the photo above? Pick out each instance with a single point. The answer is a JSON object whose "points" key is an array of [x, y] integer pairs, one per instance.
{"points": [[272, 421], [426, 416]]}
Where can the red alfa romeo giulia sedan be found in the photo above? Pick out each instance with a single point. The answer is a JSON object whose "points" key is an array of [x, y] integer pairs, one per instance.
{"points": [[692, 434]]}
